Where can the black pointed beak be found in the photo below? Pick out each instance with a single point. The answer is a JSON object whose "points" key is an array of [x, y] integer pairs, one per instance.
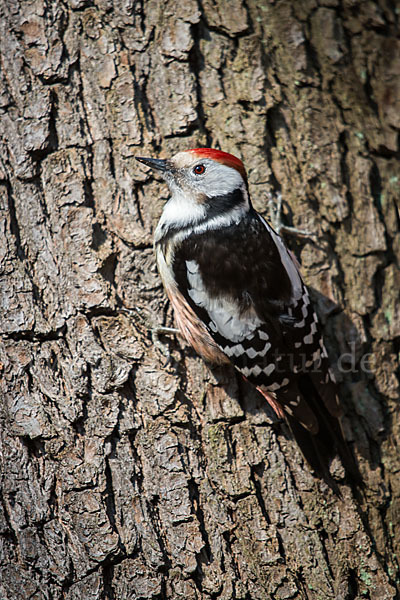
{"points": [[154, 163]]}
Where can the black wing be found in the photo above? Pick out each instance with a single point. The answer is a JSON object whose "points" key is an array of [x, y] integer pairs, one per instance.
{"points": [[243, 284]]}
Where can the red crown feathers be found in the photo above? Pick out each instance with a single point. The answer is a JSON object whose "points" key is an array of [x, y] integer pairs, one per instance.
{"points": [[223, 157]]}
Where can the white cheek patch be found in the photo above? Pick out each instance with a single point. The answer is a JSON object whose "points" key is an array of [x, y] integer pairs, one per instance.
{"points": [[224, 313], [181, 210], [219, 180], [181, 214], [186, 207]]}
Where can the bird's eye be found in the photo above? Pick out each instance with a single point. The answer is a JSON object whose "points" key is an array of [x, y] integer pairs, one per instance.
{"points": [[199, 169]]}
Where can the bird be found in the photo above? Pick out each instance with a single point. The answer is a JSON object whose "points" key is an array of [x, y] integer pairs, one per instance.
{"points": [[238, 297]]}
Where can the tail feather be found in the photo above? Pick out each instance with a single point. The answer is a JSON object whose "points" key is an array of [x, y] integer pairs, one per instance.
{"points": [[319, 449], [313, 419], [315, 449]]}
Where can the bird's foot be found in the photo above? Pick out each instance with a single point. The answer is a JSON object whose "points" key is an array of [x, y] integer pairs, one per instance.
{"points": [[155, 332], [275, 211], [161, 347]]}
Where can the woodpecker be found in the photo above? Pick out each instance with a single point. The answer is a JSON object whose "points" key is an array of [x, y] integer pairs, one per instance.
{"points": [[238, 297]]}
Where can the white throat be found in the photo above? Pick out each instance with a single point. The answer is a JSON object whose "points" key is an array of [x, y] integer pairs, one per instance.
{"points": [[181, 210], [186, 215]]}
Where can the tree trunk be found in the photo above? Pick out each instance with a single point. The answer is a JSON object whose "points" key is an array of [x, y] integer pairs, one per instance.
{"points": [[124, 478]]}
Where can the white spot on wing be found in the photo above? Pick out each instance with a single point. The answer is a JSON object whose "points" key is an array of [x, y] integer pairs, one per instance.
{"points": [[224, 313], [308, 339], [251, 353], [264, 352], [198, 297], [300, 323], [277, 386], [256, 370], [317, 355], [273, 387], [269, 369], [192, 267], [238, 350]]}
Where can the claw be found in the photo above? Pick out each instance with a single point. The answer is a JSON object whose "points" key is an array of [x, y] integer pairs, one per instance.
{"points": [[275, 211], [163, 348], [155, 333]]}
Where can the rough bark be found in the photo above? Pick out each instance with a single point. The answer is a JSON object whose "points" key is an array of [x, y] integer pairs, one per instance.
{"points": [[123, 478]]}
